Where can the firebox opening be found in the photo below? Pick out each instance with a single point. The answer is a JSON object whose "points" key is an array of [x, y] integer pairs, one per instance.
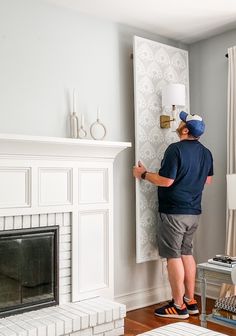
{"points": [[28, 269]]}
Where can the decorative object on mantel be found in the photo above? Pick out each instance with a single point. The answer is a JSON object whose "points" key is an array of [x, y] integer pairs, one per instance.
{"points": [[97, 129], [74, 119], [82, 133]]}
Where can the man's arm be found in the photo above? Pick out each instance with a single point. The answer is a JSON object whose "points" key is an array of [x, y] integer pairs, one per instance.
{"points": [[208, 180], [154, 178], [158, 180]]}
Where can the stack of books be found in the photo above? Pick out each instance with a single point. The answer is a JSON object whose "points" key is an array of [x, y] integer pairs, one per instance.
{"points": [[223, 260], [225, 310]]}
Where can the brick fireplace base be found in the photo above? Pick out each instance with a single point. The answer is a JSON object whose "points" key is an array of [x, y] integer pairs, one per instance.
{"points": [[98, 317]]}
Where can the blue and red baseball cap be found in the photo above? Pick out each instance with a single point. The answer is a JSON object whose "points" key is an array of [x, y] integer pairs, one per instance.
{"points": [[194, 123]]}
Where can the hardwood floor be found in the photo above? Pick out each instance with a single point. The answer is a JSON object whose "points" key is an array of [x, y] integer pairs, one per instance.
{"points": [[142, 320]]}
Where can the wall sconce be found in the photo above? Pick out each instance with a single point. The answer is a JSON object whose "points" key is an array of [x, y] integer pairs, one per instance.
{"points": [[172, 95]]}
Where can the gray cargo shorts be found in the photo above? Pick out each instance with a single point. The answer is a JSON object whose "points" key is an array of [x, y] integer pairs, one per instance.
{"points": [[175, 234]]}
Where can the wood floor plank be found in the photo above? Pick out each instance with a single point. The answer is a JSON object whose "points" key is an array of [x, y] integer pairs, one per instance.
{"points": [[142, 320]]}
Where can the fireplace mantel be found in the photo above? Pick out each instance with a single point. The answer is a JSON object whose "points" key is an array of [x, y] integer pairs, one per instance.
{"points": [[14, 144], [42, 176]]}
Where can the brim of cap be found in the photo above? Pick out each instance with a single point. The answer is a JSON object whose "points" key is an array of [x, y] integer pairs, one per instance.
{"points": [[183, 116]]}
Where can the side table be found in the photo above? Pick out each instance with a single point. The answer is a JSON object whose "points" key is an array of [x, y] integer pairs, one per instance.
{"points": [[218, 275]]}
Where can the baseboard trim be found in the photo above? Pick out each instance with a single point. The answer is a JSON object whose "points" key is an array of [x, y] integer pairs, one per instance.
{"points": [[148, 297], [144, 298]]}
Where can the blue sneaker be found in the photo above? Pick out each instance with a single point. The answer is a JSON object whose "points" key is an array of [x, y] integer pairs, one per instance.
{"points": [[192, 307], [170, 310]]}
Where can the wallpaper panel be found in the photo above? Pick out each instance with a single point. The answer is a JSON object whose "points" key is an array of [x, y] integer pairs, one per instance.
{"points": [[155, 66]]}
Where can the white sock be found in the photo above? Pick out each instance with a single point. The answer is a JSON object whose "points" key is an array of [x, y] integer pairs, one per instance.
{"points": [[186, 299], [177, 306]]}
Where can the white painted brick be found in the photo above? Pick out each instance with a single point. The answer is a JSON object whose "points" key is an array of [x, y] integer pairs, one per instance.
{"points": [[65, 281], [85, 332], [26, 222], [59, 325], [108, 311], [65, 263], [115, 332], [32, 331], [41, 328], [59, 219], [51, 219], [77, 309], [121, 306], [17, 222], [8, 223], [64, 272], [119, 323], [65, 238], [65, 298], [66, 219], [84, 318], [5, 322], [1, 223], [7, 332], [100, 312], [65, 230], [35, 220], [19, 330], [68, 321], [102, 328], [65, 255], [43, 220], [51, 327], [65, 289], [65, 247], [93, 316], [115, 307]]}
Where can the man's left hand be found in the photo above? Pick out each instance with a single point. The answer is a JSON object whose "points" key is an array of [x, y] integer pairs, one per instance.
{"points": [[138, 170]]}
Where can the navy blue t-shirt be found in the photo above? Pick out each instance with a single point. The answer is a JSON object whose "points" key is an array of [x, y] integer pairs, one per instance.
{"points": [[189, 163]]}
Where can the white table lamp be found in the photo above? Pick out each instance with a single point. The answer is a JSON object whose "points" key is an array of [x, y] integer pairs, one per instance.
{"points": [[172, 95]]}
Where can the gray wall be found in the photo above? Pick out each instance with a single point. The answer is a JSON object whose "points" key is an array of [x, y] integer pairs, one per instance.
{"points": [[46, 51], [208, 97]]}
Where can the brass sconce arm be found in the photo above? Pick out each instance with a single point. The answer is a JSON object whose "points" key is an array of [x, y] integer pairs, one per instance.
{"points": [[165, 121]]}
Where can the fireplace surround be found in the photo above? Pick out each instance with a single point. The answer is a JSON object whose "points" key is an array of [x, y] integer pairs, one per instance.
{"points": [[65, 182]]}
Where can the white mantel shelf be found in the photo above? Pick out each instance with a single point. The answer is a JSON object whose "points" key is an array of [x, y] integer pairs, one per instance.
{"points": [[14, 144]]}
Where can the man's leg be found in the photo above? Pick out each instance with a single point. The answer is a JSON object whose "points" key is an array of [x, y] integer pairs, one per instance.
{"points": [[176, 278], [189, 275]]}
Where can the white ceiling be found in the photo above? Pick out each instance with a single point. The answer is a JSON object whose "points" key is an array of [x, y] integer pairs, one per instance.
{"points": [[184, 20]]}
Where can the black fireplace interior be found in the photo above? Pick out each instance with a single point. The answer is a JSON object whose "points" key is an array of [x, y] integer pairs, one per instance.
{"points": [[28, 269]]}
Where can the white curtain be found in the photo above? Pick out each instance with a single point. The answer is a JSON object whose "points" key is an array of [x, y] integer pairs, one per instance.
{"points": [[231, 159]]}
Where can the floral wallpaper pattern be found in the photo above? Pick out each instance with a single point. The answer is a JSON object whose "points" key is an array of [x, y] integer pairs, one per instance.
{"points": [[155, 66]]}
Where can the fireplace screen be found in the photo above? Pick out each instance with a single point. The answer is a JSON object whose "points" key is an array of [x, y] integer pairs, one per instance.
{"points": [[28, 269]]}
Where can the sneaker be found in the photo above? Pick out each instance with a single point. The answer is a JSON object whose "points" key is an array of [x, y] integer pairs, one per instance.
{"points": [[192, 307], [170, 310]]}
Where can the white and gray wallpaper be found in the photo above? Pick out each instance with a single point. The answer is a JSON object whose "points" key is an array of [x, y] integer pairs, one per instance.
{"points": [[155, 66]]}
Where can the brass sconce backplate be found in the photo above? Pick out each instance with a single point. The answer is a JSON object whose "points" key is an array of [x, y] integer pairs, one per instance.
{"points": [[165, 121]]}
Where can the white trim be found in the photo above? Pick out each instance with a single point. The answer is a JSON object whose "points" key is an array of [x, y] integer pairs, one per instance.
{"points": [[14, 144]]}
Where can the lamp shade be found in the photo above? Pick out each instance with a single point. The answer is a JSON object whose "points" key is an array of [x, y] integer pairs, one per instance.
{"points": [[231, 191], [173, 94]]}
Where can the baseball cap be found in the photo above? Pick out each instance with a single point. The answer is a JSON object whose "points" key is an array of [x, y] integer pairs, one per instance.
{"points": [[194, 123]]}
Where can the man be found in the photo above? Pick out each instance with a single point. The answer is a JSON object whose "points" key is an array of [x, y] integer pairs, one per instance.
{"points": [[186, 167]]}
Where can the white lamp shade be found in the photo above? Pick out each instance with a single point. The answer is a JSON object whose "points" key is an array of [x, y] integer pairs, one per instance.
{"points": [[173, 94], [231, 191]]}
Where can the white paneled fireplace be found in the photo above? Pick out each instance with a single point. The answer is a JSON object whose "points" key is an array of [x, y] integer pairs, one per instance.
{"points": [[65, 184]]}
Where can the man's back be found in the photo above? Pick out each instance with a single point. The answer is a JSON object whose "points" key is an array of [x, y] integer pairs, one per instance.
{"points": [[189, 163]]}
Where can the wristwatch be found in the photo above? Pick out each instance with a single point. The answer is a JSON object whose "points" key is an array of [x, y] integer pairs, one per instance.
{"points": [[143, 175]]}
